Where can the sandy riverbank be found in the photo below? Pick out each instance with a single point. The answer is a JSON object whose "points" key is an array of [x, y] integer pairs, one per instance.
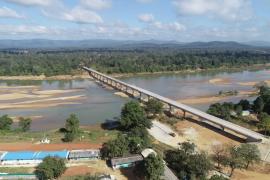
{"points": [[121, 94], [40, 103], [214, 99], [43, 77], [220, 81], [253, 83]]}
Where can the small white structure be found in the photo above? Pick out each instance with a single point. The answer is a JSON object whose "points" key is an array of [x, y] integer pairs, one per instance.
{"points": [[145, 153], [45, 141], [245, 113]]}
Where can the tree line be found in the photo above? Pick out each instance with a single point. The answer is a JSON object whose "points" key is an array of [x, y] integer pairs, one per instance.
{"points": [[233, 112], [133, 61]]}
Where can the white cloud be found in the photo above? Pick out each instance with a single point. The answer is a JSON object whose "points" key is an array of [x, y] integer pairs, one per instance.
{"points": [[23, 29], [144, 1], [80, 15], [6, 12], [172, 27], [32, 2], [96, 4], [146, 18], [233, 10]]}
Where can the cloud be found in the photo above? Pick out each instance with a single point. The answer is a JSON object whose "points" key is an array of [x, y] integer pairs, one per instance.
{"points": [[144, 1], [80, 15], [146, 18], [23, 29], [232, 10], [6, 12], [33, 2], [96, 4], [173, 27]]}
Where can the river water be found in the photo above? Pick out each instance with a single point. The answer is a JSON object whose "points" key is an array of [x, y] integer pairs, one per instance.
{"points": [[101, 104]]}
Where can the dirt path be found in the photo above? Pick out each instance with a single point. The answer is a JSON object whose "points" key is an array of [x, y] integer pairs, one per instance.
{"points": [[161, 132]]}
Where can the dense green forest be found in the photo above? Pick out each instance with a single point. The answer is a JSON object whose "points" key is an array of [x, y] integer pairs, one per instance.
{"points": [[37, 62]]}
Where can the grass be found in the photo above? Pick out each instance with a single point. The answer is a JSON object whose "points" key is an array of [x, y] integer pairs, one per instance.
{"points": [[91, 135], [13, 170]]}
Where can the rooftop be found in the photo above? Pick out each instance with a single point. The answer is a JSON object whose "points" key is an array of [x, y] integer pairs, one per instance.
{"points": [[125, 160]]}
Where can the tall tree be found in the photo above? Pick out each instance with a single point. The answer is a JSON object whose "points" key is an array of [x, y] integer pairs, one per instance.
{"points": [[115, 148], [25, 124], [264, 123], [250, 153], [153, 106], [50, 168], [153, 167], [234, 159], [133, 115], [258, 105], [219, 155], [5, 122], [72, 127]]}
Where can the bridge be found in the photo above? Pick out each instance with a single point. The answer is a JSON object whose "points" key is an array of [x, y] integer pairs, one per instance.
{"points": [[249, 135]]}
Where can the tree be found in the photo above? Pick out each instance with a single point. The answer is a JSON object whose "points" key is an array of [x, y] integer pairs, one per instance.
{"points": [[219, 154], [133, 115], [50, 168], [218, 177], [234, 159], [245, 104], [221, 110], [153, 167], [258, 105], [188, 164], [250, 153], [72, 128], [115, 148], [5, 122], [264, 122], [154, 106], [199, 165], [25, 124], [138, 139], [188, 147]]}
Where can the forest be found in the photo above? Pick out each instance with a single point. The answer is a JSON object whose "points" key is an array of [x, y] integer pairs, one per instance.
{"points": [[60, 62]]}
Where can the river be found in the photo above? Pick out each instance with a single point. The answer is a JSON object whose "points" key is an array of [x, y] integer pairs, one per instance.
{"points": [[99, 104]]}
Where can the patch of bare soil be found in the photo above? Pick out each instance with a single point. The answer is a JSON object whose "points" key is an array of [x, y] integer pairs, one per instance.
{"points": [[98, 167], [202, 136]]}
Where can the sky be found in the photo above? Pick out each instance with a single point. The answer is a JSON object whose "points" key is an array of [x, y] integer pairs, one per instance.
{"points": [[177, 20]]}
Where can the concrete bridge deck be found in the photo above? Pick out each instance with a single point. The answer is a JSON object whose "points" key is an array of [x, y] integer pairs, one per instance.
{"points": [[249, 134]]}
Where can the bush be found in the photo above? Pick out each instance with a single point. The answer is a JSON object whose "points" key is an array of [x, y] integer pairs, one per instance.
{"points": [[50, 168]]}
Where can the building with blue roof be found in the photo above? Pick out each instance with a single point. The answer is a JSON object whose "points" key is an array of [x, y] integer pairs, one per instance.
{"points": [[29, 157], [61, 154], [22, 155]]}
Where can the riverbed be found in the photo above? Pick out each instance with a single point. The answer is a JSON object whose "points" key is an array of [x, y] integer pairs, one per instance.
{"points": [[50, 102]]}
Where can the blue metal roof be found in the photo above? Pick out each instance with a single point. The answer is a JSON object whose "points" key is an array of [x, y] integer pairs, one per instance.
{"points": [[22, 155], [29, 155], [43, 154]]}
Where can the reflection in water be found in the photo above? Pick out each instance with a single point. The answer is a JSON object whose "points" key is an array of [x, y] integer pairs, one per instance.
{"points": [[101, 104]]}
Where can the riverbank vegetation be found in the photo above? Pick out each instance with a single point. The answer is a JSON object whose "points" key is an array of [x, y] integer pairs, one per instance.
{"points": [[51, 63], [241, 113]]}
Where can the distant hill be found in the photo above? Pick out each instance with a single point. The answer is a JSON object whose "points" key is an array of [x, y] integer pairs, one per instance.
{"points": [[99, 43]]}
